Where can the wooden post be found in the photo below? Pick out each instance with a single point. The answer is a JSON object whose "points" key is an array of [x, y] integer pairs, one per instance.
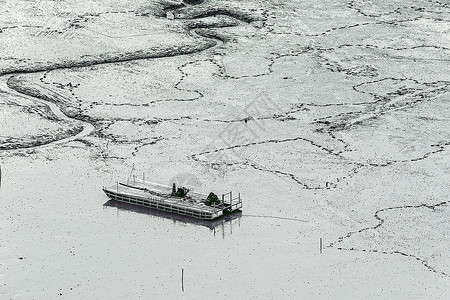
{"points": [[117, 186], [320, 245], [182, 280]]}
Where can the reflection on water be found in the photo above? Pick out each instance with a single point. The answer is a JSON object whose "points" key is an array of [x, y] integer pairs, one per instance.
{"points": [[220, 226]]}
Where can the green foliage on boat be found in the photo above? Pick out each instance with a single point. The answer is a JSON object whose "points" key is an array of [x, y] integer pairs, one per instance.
{"points": [[212, 199], [182, 192]]}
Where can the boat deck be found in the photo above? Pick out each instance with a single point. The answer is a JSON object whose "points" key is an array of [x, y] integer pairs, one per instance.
{"points": [[158, 196]]}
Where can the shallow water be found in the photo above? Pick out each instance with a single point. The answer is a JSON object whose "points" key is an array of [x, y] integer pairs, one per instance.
{"points": [[65, 237], [61, 235]]}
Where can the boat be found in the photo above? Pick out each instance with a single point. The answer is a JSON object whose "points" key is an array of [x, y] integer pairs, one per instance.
{"points": [[179, 200]]}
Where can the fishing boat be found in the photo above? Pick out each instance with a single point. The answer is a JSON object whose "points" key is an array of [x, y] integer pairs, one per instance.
{"points": [[179, 200]]}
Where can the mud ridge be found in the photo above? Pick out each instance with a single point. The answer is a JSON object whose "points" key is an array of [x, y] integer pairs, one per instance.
{"points": [[352, 5], [380, 222], [326, 184], [329, 151], [383, 104], [214, 12], [112, 58], [37, 140]]}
